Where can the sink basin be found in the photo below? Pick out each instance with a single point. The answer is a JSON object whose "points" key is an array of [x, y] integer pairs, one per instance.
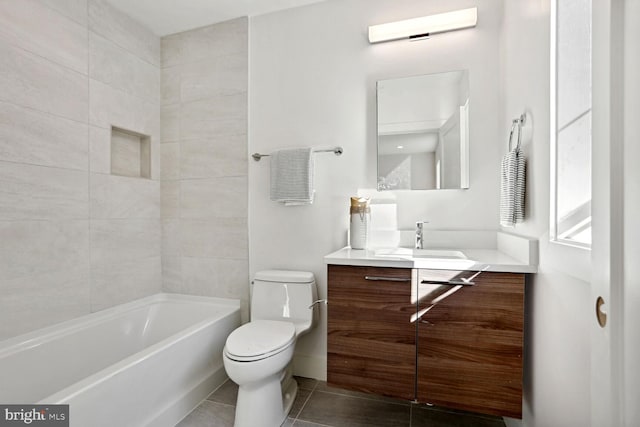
{"points": [[420, 253], [438, 253]]}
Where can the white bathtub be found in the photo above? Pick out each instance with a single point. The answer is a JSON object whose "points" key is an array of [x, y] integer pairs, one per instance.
{"points": [[144, 363]]}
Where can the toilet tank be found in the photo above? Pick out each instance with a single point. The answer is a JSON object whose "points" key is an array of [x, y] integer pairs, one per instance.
{"points": [[285, 295]]}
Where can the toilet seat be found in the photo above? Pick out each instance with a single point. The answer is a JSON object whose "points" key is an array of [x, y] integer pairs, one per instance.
{"points": [[259, 340]]}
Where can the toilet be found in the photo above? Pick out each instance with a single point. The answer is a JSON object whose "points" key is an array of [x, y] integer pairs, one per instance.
{"points": [[257, 356]]}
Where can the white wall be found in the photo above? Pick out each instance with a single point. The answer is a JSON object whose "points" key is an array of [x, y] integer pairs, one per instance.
{"points": [[73, 237], [557, 359], [631, 223], [312, 83]]}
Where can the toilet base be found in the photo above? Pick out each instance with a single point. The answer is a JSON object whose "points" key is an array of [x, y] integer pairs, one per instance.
{"points": [[289, 393], [265, 404]]}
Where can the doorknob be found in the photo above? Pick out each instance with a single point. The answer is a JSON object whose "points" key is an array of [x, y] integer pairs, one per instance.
{"points": [[601, 312]]}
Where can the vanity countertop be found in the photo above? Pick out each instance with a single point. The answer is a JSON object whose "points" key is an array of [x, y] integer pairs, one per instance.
{"points": [[474, 260]]}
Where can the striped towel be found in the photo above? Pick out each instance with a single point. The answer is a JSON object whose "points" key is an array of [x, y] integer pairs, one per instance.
{"points": [[512, 188], [292, 176]]}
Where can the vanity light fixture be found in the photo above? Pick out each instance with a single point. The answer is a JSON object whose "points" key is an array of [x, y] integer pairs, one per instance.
{"points": [[419, 28]]}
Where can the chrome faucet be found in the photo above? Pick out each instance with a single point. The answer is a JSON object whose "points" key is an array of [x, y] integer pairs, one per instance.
{"points": [[419, 236]]}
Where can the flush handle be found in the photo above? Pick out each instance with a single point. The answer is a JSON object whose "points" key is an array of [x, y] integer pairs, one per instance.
{"points": [[316, 302], [601, 312]]}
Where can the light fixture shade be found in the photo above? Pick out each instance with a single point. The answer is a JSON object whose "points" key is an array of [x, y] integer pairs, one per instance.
{"points": [[417, 27]]}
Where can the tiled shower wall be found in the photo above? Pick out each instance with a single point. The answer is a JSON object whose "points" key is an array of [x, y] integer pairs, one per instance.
{"points": [[73, 237], [204, 161]]}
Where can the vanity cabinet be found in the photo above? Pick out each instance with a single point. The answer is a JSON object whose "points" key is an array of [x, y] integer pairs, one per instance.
{"points": [[470, 341], [371, 338], [441, 338]]}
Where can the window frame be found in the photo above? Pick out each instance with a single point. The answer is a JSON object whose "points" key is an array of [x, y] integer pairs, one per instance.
{"points": [[553, 140]]}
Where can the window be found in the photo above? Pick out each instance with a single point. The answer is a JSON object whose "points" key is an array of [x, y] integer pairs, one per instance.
{"points": [[571, 122]]}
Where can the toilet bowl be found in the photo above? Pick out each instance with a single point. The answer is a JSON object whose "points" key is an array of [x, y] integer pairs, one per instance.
{"points": [[257, 356]]}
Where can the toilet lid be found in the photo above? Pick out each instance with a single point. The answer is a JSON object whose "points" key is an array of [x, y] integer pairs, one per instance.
{"points": [[259, 339]]}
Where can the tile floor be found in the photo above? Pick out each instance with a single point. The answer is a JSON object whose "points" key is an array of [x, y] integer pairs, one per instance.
{"points": [[318, 405]]}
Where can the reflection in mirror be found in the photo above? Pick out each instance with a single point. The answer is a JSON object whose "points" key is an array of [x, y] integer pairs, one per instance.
{"points": [[423, 132]]}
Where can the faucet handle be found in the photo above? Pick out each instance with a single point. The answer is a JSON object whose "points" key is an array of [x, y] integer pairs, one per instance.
{"points": [[419, 224]]}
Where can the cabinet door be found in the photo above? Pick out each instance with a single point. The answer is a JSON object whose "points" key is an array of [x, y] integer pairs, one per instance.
{"points": [[470, 341], [371, 330]]}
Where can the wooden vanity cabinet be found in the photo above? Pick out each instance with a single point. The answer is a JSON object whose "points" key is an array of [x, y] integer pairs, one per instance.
{"points": [[470, 342], [371, 338]]}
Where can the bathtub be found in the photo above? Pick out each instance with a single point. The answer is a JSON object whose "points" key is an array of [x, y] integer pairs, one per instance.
{"points": [[145, 363]]}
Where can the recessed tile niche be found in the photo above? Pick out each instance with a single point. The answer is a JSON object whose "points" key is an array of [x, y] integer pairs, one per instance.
{"points": [[130, 153]]}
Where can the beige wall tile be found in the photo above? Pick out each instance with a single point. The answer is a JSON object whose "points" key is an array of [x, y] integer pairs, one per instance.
{"points": [[170, 85], [215, 157], [224, 278], [34, 82], [124, 197], [170, 199], [170, 123], [112, 107], [122, 70], [170, 238], [223, 75], [39, 300], [33, 249], [224, 197], [171, 47], [99, 150], [204, 91], [171, 274], [203, 43], [37, 192], [124, 282], [124, 31], [219, 238], [35, 27], [115, 241], [74, 9], [170, 161], [154, 156], [216, 116], [29, 136]]}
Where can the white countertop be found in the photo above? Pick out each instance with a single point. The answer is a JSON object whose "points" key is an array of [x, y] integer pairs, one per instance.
{"points": [[475, 260]]}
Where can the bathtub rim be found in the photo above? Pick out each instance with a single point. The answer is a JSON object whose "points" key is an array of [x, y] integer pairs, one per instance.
{"points": [[40, 336]]}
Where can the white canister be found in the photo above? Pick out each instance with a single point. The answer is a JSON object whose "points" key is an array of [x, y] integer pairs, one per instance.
{"points": [[360, 223]]}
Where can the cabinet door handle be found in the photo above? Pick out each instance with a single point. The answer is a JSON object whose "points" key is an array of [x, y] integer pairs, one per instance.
{"points": [[462, 282], [387, 279]]}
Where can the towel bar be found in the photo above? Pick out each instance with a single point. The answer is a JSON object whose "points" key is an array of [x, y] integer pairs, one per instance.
{"points": [[517, 123], [336, 150]]}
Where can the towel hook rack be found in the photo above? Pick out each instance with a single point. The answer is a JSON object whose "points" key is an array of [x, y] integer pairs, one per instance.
{"points": [[518, 122], [336, 150]]}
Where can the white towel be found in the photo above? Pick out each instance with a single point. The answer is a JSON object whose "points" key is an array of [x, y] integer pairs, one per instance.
{"points": [[512, 188], [292, 176]]}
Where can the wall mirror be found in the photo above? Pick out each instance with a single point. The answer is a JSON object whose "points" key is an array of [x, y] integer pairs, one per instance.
{"points": [[423, 132]]}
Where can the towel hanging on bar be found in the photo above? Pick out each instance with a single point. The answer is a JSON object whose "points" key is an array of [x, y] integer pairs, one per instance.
{"points": [[512, 188], [512, 180], [292, 176]]}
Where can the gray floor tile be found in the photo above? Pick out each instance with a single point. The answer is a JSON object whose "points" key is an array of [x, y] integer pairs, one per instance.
{"points": [[324, 387], [227, 393], [301, 399], [424, 416], [318, 405], [210, 414], [306, 383], [348, 411], [299, 423]]}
